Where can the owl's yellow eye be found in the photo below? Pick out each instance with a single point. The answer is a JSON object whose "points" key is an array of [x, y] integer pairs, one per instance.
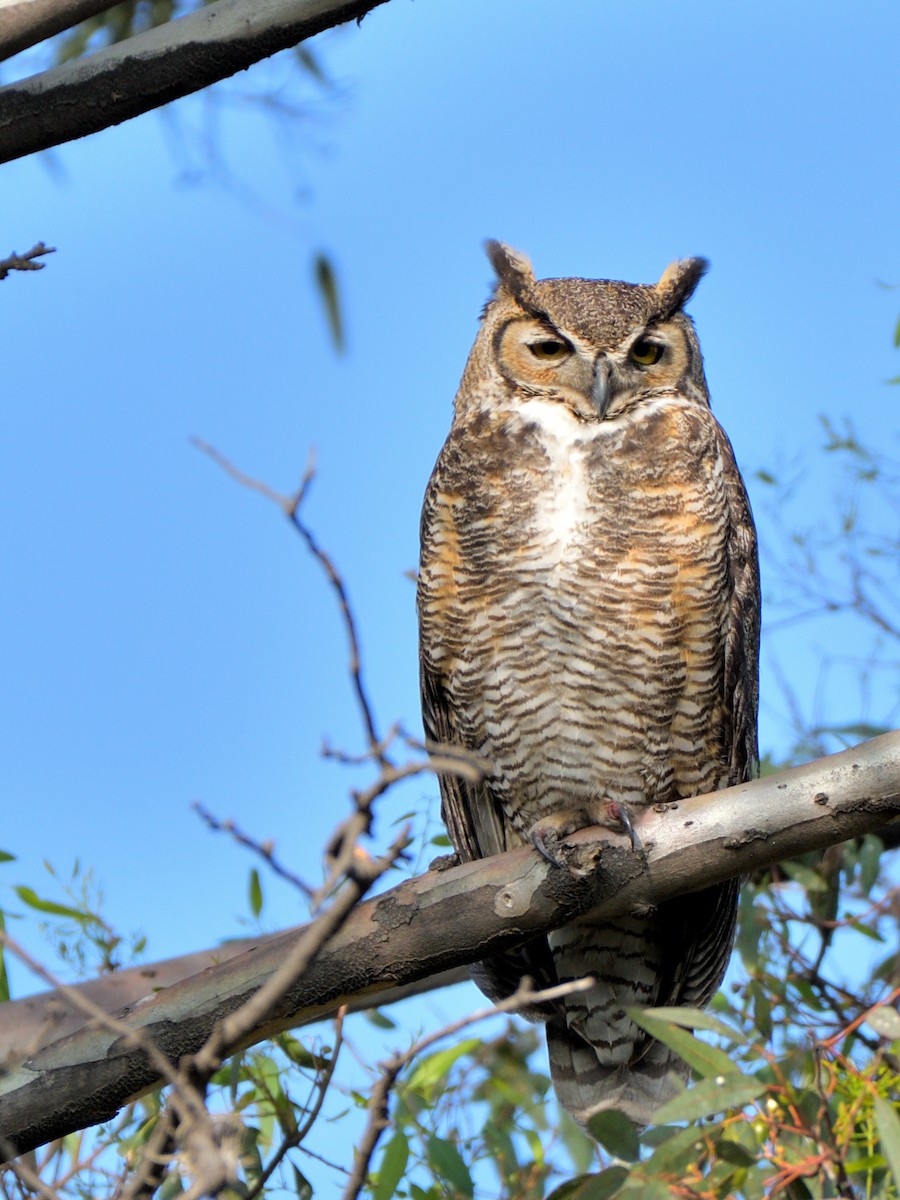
{"points": [[646, 353], [550, 349]]}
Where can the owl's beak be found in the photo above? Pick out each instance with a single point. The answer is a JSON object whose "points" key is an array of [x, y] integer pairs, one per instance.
{"points": [[600, 392]]}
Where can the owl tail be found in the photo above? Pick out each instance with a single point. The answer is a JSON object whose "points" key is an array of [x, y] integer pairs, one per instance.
{"points": [[584, 1085]]}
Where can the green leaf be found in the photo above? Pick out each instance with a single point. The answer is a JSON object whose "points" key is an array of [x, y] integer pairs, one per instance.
{"points": [[302, 1186], [616, 1133], [310, 63], [698, 1018], [377, 1018], [710, 1096], [753, 922], [871, 1162], [433, 1069], [254, 890], [762, 1011], [808, 879], [501, 1148], [326, 282], [171, 1187], [4, 857], [447, 1163], [703, 1058], [391, 1168], [646, 1189], [591, 1187], [734, 1152], [606, 1184], [28, 896], [869, 858], [865, 930], [889, 1131], [674, 1154], [797, 1190], [4, 978]]}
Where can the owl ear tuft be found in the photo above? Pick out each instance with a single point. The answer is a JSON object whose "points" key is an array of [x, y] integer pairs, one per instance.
{"points": [[514, 269], [677, 283]]}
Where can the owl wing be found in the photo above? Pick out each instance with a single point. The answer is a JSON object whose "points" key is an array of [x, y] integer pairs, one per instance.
{"points": [[473, 819], [469, 811], [476, 827], [700, 927]]}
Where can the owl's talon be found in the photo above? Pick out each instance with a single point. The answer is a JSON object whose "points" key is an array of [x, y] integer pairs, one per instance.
{"points": [[545, 851], [444, 862], [622, 818]]}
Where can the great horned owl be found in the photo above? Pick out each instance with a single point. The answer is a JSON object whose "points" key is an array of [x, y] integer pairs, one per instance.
{"points": [[588, 606]]}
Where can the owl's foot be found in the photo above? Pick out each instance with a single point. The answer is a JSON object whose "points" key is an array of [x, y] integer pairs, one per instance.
{"points": [[444, 862], [547, 834]]}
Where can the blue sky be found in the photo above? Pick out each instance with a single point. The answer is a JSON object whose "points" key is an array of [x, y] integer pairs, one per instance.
{"points": [[165, 637]]}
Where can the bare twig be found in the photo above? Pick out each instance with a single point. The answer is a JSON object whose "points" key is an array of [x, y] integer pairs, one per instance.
{"points": [[187, 1121], [26, 261], [290, 506], [265, 850], [232, 1030], [378, 1106], [296, 1138]]}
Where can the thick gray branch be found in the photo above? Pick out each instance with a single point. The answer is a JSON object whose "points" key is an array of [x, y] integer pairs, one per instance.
{"points": [[152, 68], [439, 921], [27, 22]]}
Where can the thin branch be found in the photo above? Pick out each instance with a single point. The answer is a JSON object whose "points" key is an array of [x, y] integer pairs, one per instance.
{"points": [[26, 261], [376, 745], [233, 1030], [265, 850], [295, 1139], [378, 1106], [186, 1121], [290, 506]]}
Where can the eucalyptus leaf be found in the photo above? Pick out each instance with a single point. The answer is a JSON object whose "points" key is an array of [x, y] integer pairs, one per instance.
{"points": [[888, 1123], [28, 896], [703, 1058], [447, 1163], [616, 1133], [712, 1095], [434, 1068], [392, 1166]]}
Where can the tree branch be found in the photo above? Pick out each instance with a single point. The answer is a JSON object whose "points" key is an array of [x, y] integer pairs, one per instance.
{"points": [[27, 22], [159, 65], [441, 920], [26, 261]]}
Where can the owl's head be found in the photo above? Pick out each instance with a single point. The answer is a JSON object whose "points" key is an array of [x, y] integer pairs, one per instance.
{"points": [[596, 346]]}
